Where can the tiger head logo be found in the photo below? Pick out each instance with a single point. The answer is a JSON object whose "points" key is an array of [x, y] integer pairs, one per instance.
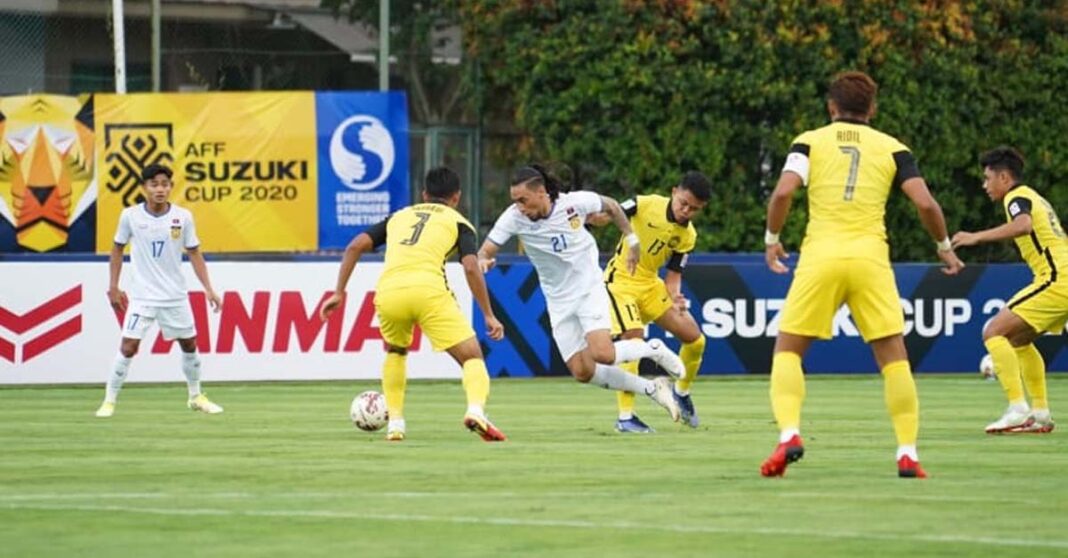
{"points": [[46, 167]]}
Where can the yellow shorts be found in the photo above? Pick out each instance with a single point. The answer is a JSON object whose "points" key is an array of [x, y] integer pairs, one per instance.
{"points": [[635, 304], [1043, 305], [819, 289], [436, 313]]}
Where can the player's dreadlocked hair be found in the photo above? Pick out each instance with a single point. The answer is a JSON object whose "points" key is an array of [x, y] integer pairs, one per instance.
{"points": [[537, 175]]}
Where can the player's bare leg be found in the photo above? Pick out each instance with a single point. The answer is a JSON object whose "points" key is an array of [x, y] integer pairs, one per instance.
{"points": [[899, 390], [476, 384], [787, 395], [596, 364]]}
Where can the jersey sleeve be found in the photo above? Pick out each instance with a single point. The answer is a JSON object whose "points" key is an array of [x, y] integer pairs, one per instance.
{"points": [[123, 232], [504, 229], [587, 202], [377, 232], [189, 234], [630, 206], [678, 259], [906, 166], [797, 159], [1018, 205], [466, 243]]}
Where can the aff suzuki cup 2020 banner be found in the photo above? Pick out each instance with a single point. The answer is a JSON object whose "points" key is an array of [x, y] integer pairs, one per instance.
{"points": [[261, 171]]}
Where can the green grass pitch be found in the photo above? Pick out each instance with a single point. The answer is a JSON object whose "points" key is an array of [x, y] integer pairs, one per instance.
{"points": [[283, 473]]}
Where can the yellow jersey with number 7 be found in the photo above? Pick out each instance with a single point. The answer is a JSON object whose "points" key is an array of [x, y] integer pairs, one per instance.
{"points": [[851, 170]]}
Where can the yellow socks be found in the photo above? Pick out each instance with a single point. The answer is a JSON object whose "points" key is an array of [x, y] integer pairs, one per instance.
{"points": [[787, 390], [1033, 370], [691, 354], [1008, 368], [625, 399], [902, 402], [476, 383], [394, 382]]}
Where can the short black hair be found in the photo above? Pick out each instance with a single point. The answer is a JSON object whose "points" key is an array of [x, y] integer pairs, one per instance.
{"points": [[1004, 158], [853, 92], [441, 182], [698, 185], [154, 170]]}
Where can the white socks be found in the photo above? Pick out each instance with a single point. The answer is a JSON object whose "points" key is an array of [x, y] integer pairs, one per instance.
{"points": [[118, 376], [610, 377], [630, 350], [909, 451], [788, 433], [191, 369], [476, 410]]}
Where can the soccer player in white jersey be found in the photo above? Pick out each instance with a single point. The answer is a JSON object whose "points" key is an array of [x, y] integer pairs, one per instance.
{"points": [[157, 232], [564, 253]]}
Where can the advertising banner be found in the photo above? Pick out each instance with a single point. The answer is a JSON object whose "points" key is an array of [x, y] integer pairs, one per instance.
{"points": [[244, 164], [363, 162], [737, 307], [47, 174], [56, 326]]}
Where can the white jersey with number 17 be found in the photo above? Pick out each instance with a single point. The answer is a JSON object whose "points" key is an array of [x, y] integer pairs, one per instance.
{"points": [[156, 245]]}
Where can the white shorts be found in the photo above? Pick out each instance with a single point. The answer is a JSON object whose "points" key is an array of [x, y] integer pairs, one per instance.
{"points": [[176, 322], [571, 322]]}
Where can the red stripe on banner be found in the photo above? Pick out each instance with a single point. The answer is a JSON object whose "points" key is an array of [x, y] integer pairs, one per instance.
{"points": [[51, 338], [7, 350], [37, 316]]}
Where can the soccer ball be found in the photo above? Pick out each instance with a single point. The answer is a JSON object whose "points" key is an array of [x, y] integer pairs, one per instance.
{"points": [[986, 368], [368, 411]]}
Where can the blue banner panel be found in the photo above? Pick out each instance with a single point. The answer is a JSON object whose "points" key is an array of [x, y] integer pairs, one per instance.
{"points": [[363, 161], [737, 306]]}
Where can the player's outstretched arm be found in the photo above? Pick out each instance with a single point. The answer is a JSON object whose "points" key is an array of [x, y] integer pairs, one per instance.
{"points": [[487, 256], [474, 274], [115, 295], [931, 216], [1021, 225], [619, 217], [200, 269], [356, 249], [778, 208]]}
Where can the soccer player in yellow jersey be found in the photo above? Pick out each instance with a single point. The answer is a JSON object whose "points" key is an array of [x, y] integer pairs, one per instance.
{"points": [[667, 235], [412, 290], [849, 169], [1040, 307]]}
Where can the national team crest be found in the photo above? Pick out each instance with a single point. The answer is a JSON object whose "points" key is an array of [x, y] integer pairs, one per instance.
{"points": [[573, 218], [176, 229]]}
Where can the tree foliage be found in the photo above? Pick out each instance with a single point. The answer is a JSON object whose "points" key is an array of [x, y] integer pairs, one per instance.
{"points": [[632, 93]]}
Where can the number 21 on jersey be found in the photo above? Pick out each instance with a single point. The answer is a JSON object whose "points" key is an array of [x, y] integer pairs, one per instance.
{"points": [[559, 243]]}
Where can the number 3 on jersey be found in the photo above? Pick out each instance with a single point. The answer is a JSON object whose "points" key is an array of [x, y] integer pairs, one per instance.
{"points": [[417, 228]]}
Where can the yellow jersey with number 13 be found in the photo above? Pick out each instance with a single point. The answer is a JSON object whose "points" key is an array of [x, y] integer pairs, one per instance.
{"points": [[663, 241], [849, 169]]}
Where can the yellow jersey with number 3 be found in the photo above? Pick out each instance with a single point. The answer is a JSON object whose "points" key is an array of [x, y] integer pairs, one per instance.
{"points": [[419, 239], [663, 241], [849, 169], [1045, 250]]}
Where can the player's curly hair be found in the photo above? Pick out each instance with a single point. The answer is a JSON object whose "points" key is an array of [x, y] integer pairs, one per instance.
{"points": [[1004, 158], [534, 175], [853, 92]]}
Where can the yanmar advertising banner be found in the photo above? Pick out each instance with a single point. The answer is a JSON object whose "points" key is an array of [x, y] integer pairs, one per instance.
{"points": [[56, 326]]}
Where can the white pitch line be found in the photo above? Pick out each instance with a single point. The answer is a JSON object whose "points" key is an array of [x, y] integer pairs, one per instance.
{"points": [[568, 524], [905, 498]]}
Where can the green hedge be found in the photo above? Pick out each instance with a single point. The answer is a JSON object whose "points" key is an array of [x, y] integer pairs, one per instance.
{"points": [[632, 93]]}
